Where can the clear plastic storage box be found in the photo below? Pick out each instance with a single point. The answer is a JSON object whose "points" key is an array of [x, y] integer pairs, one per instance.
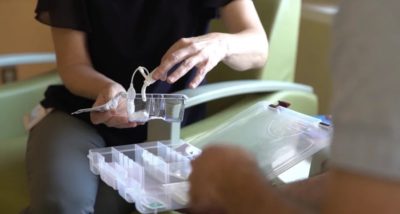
{"points": [[154, 175], [167, 107]]}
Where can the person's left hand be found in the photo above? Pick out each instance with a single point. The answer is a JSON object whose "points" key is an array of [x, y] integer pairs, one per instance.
{"points": [[116, 118], [203, 52]]}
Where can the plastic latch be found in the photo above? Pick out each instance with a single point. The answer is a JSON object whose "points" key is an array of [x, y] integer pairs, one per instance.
{"points": [[280, 103], [324, 125]]}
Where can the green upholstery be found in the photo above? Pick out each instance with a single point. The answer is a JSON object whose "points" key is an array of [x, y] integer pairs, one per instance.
{"points": [[16, 99], [21, 97], [281, 21]]}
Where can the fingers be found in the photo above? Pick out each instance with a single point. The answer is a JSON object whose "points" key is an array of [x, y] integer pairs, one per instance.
{"points": [[202, 69], [186, 66], [181, 50], [112, 119], [203, 52], [99, 117], [116, 118], [187, 52], [120, 122], [109, 92]]}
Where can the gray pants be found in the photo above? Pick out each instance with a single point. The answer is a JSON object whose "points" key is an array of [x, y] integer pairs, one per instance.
{"points": [[59, 177]]}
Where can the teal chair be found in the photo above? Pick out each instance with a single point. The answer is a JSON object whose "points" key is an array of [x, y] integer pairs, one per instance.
{"points": [[238, 91]]}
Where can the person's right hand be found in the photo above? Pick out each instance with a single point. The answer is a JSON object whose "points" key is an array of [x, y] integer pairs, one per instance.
{"points": [[116, 118]]}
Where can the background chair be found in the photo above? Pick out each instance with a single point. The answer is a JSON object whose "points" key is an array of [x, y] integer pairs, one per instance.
{"points": [[240, 90], [16, 99]]}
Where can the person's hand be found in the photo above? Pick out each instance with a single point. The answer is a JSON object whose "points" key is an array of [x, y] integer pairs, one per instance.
{"points": [[203, 52], [225, 178], [116, 118]]}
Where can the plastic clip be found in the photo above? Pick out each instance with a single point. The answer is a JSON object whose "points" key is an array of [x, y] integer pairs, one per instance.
{"points": [[280, 103]]}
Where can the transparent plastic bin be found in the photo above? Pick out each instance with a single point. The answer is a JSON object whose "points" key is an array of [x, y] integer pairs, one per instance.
{"points": [[278, 137], [167, 107], [152, 175]]}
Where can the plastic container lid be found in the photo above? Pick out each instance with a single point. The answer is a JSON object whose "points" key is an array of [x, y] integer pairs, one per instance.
{"points": [[278, 137]]}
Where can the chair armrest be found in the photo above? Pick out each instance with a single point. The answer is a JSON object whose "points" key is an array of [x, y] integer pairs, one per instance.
{"points": [[219, 90], [216, 91], [26, 58]]}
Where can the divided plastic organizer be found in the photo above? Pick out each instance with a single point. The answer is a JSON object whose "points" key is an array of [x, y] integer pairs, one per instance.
{"points": [[154, 175]]}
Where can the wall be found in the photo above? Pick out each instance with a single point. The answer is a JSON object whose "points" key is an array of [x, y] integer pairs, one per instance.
{"points": [[20, 32], [313, 62]]}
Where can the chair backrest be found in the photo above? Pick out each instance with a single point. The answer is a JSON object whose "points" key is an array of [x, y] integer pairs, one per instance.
{"points": [[18, 99], [281, 21]]}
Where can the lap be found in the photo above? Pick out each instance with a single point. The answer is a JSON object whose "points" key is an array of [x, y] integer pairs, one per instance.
{"points": [[59, 176]]}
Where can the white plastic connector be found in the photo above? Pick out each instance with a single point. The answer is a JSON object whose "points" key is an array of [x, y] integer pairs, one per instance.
{"points": [[148, 80], [130, 102]]}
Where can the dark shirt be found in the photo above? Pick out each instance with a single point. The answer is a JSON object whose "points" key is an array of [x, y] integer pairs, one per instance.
{"points": [[122, 35]]}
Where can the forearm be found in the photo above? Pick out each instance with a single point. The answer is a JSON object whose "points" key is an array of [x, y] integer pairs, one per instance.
{"points": [[351, 192], [247, 45], [83, 80], [74, 64], [246, 50]]}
